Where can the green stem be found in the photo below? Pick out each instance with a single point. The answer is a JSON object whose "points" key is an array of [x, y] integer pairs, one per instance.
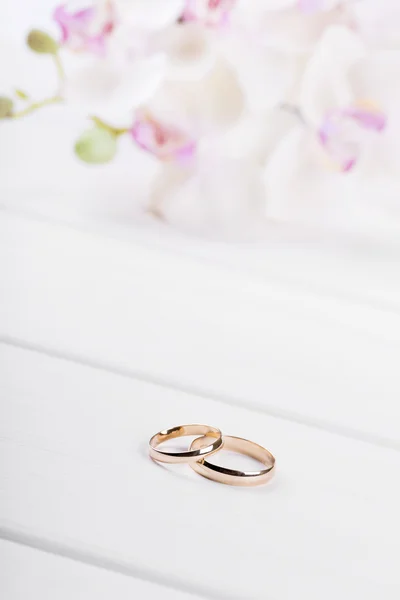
{"points": [[36, 105], [59, 67], [114, 130]]}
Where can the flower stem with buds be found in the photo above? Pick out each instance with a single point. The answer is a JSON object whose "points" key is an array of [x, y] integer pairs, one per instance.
{"points": [[36, 105], [117, 131], [59, 67]]}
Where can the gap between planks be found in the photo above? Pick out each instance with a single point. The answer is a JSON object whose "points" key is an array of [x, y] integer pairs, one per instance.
{"points": [[327, 531], [229, 400], [89, 556]]}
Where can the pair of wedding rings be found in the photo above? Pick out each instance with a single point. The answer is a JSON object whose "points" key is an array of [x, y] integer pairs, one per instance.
{"points": [[210, 442]]}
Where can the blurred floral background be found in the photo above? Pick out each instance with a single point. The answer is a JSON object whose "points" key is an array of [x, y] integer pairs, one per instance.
{"points": [[214, 116]]}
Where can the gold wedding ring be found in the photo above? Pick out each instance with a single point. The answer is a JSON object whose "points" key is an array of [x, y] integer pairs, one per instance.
{"points": [[205, 445], [231, 476]]}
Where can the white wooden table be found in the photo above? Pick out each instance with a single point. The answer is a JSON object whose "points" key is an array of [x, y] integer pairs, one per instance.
{"points": [[108, 335]]}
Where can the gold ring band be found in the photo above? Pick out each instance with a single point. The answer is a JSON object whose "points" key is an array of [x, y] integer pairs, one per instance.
{"points": [[231, 476], [191, 455]]}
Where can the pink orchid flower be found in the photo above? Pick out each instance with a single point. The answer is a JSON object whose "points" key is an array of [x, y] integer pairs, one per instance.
{"points": [[85, 30], [166, 142], [343, 131], [212, 13]]}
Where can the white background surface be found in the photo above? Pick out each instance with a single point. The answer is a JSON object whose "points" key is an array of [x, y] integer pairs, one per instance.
{"points": [[113, 327], [107, 339]]}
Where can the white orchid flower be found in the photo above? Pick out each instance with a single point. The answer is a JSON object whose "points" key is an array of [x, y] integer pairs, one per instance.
{"points": [[377, 21], [291, 26], [115, 64], [344, 129]]}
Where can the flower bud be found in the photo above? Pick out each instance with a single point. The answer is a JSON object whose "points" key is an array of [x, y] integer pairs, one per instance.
{"points": [[6, 107], [96, 146], [41, 42]]}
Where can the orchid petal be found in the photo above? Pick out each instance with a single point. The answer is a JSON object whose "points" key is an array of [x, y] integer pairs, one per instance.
{"points": [[164, 141], [210, 104], [253, 136], [367, 118], [150, 15], [309, 6], [341, 133], [189, 50], [377, 77], [212, 13], [263, 6], [287, 30], [85, 30], [221, 198], [378, 22], [325, 81], [112, 93], [299, 190], [265, 75], [312, 6]]}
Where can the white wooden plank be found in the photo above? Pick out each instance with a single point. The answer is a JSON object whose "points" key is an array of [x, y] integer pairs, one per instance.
{"points": [[351, 268], [29, 573], [201, 327], [74, 471]]}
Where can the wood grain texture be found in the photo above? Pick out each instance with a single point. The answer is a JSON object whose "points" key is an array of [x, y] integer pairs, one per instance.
{"points": [[30, 574], [75, 473], [129, 309]]}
